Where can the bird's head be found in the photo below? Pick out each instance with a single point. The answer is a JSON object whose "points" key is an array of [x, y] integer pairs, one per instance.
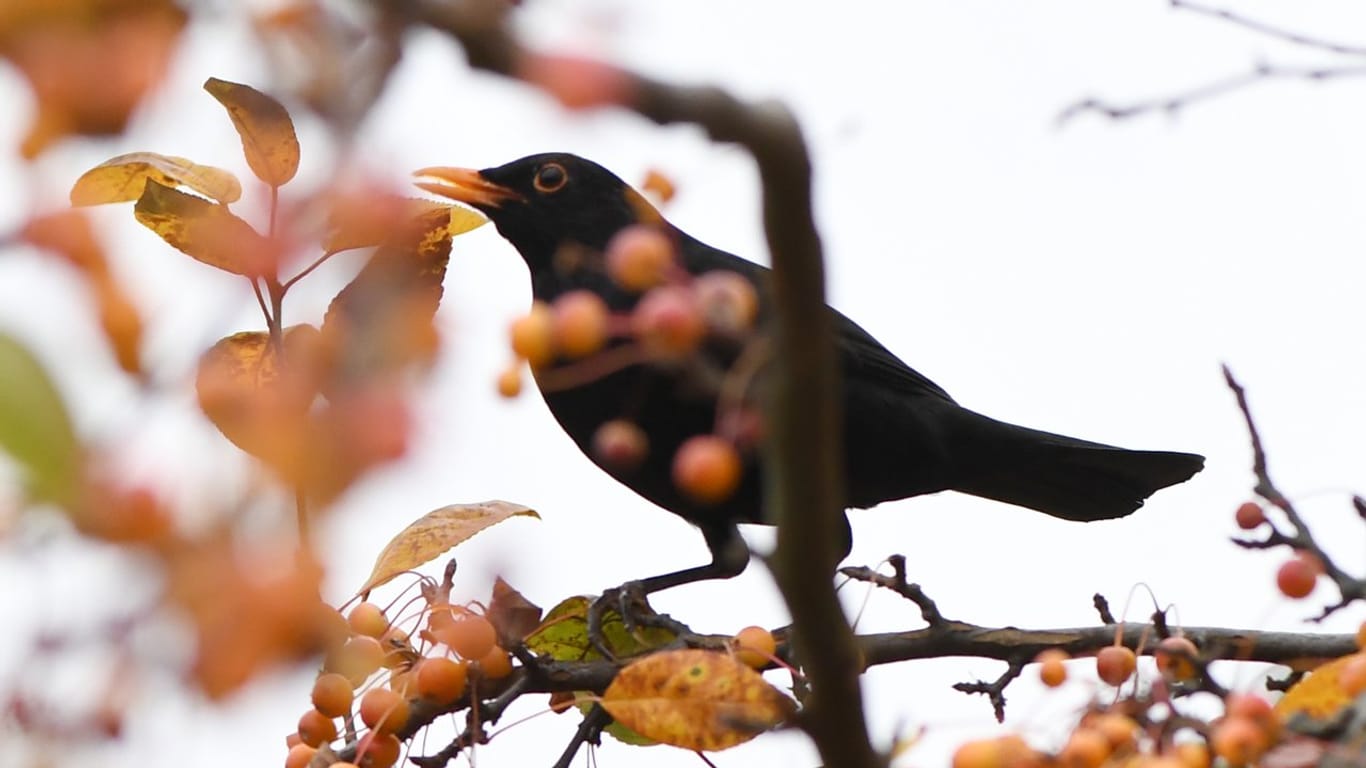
{"points": [[543, 202]]}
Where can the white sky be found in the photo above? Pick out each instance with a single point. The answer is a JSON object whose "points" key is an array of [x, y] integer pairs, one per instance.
{"points": [[1087, 280]]}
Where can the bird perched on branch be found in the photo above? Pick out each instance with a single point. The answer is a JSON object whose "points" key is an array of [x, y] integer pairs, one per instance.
{"points": [[903, 435]]}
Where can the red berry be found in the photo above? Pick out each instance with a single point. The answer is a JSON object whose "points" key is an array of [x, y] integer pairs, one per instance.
{"points": [[620, 444], [707, 468], [1249, 515], [1296, 577], [668, 322]]}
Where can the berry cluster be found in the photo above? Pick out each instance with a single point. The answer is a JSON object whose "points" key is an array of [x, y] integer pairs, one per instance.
{"points": [[676, 313]]}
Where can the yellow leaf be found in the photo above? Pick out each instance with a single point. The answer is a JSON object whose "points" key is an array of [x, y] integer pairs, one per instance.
{"points": [[362, 221], [120, 179], [203, 230], [1318, 695], [698, 700], [435, 532], [268, 139]]}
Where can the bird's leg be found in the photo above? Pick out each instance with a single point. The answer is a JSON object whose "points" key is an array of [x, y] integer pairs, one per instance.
{"points": [[729, 557]]}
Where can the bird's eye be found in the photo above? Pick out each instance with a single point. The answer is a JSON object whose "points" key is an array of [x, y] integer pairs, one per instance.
{"points": [[550, 177]]}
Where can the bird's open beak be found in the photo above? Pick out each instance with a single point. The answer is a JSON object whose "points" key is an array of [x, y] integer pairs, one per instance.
{"points": [[465, 186]]}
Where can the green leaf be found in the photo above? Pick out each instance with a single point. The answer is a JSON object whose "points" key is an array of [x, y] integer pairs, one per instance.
{"points": [[121, 179], [35, 428], [203, 230], [268, 139], [563, 634]]}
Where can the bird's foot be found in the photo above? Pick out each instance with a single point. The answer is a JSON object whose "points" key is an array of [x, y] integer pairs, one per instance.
{"points": [[641, 628]]}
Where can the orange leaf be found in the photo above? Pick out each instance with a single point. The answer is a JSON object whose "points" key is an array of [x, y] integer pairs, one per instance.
{"points": [[1319, 695], [435, 532], [698, 700], [365, 220], [203, 230], [243, 392], [268, 139], [120, 179]]}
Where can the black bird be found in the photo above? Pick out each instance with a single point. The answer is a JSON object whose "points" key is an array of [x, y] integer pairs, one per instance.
{"points": [[903, 435]]}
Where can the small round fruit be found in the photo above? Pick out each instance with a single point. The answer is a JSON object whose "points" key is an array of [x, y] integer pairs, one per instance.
{"points": [[728, 301], [1249, 515], [754, 647], [1085, 748], [496, 664], [1115, 663], [383, 710], [1192, 754], [300, 755], [639, 257], [360, 657], [707, 468], [316, 729], [1052, 667], [1238, 741], [1004, 752], [510, 381], [1176, 657], [1297, 576], [1120, 731], [441, 680], [368, 619], [471, 636], [620, 444], [377, 750], [1352, 676], [580, 323], [669, 322], [332, 694], [532, 335]]}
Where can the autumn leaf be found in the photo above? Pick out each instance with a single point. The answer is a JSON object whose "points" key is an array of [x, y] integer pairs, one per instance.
{"points": [[35, 429], [120, 179], [511, 613], [256, 404], [203, 230], [382, 320], [268, 139], [366, 220], [1319, 695], [563, 634], [434, 533], [694, 699]]}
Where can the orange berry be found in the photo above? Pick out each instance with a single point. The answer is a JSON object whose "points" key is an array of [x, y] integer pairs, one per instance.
{"points": [[754, 647], [580, 323], [1175, 658], [377, 750], [620, 444], [496, 664], [639, 257], [728, 302], [1085, 748], [443, 617], [1115, 663], [1238, 741], [441, 680], [510, 381], [1352, 676], [1249, 515], [1004, 752], [471, 636], [368, 619], [300, 755], [1120, 731], [396, 648], [383, 710], [658, 184], [332, 694], [1052, 667], [669, 322], [707, 468], [360, 657], [1297, 576], [293, 740], [315, 728], [1192, 754], [533, 335]]}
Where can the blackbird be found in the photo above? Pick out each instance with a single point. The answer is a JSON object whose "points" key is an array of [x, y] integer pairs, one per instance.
{"points": [[903, 434]]}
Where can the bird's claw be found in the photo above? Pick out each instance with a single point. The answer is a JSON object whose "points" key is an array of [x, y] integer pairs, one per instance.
{"points": [[629, 603]]}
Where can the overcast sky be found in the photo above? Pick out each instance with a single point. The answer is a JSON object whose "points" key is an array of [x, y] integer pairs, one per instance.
{"points": [[1087, 279]]}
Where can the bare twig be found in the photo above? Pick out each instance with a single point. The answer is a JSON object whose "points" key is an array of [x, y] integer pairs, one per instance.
{"points": [[995, 690], [1103, 608], [1268, 30], [897, 583]]}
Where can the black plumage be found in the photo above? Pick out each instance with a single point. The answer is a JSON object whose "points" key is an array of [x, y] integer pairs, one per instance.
{"points": [[903, 434]]}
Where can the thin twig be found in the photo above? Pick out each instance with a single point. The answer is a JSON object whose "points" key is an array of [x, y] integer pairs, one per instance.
{"points": [[1268, 30]]}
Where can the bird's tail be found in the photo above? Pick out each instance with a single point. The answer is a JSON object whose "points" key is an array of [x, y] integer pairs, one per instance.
{"points": [[1066, 477]]}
